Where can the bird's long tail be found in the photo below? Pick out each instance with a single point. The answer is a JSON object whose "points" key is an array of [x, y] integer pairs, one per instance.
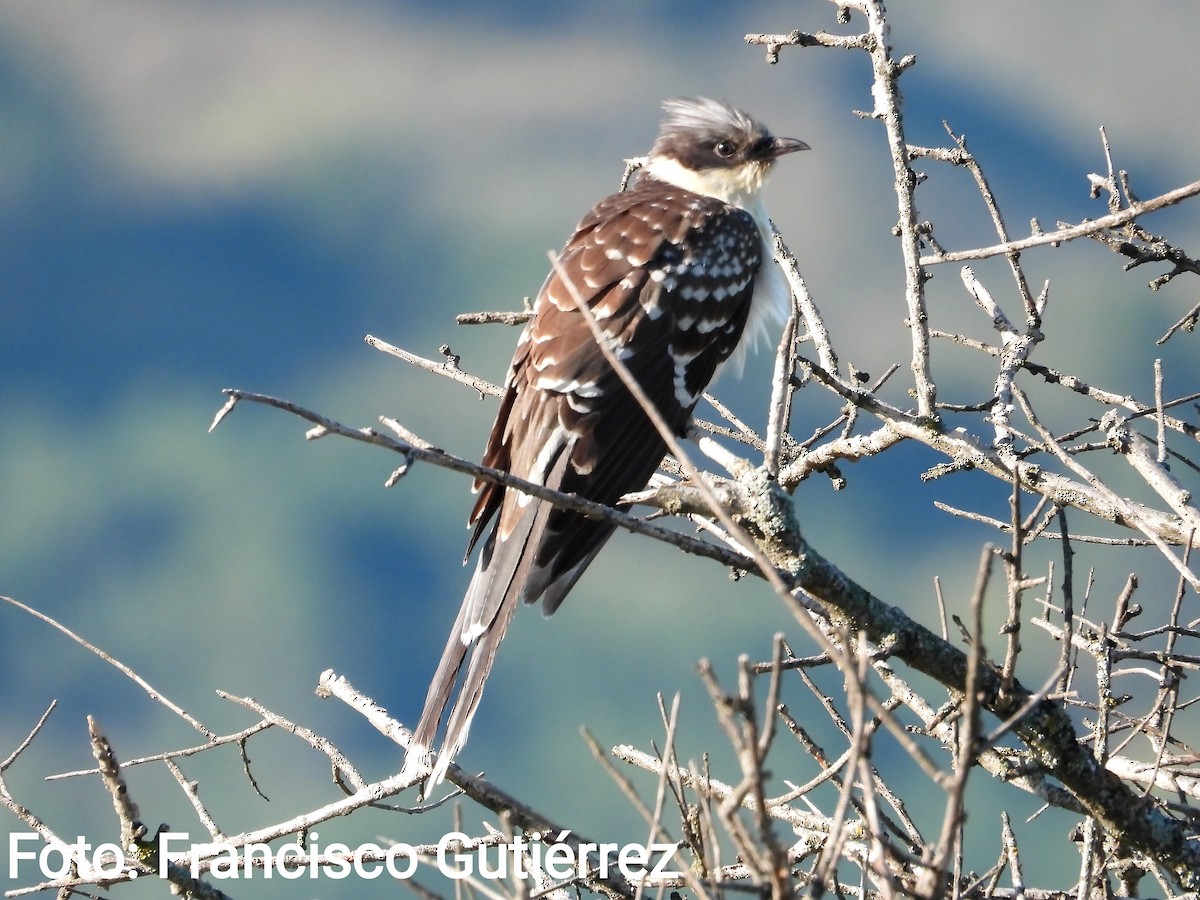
{"points": [[487, 609]]}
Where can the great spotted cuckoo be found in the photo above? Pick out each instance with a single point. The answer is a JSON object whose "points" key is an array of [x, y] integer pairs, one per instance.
{"points": [[678, 272]]}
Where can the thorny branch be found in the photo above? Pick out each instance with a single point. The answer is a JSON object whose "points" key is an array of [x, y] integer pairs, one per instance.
{"points": [[1088, 228]]}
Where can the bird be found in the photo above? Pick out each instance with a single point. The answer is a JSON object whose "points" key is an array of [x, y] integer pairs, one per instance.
{"points": [[677, 271]]}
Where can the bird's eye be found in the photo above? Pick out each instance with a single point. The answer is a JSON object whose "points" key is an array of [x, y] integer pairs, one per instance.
{"points": [[725, 149]]}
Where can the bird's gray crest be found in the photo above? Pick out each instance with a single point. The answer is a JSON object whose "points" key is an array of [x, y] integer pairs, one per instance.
{"points": [[694, 119]]}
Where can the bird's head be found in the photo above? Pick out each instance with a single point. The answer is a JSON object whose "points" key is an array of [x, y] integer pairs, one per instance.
{"points": [[709, 147]]}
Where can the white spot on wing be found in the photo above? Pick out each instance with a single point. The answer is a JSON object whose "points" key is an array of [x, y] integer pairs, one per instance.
{"points": [[555, 443], [566, 386], [578, 404], [682, 394]]}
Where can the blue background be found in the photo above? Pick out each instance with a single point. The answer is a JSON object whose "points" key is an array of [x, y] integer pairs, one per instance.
{"points": [[197, 195]]}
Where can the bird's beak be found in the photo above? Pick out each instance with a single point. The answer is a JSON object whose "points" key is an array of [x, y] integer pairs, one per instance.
{"points": [[779, 146]]}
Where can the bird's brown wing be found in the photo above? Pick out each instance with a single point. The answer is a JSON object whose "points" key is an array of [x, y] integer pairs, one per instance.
{"points": [[642, 263]]}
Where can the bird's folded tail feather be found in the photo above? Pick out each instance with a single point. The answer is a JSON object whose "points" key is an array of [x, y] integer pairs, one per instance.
{"points": [[487, 609]]}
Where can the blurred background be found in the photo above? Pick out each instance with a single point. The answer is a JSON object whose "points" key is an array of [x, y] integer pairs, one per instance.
{"points": [[197, 194]]}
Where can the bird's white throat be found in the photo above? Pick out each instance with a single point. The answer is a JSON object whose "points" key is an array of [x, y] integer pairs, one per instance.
{"points": [[738, 185]]}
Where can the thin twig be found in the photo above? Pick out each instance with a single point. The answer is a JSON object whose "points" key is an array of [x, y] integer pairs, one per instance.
{"points": [[1085, 228], [154, 694], [441, 458]]}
